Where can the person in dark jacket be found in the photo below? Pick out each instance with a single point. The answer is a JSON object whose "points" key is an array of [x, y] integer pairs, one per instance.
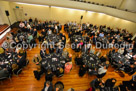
{"points": [[79, 60], [82, 70], [49, 76], [47, 86], [110, 83], [35, 33], [51, 49], [42, 53], [103, 58]]}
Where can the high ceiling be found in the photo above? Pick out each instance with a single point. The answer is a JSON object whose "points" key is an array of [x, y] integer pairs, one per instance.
{"points": [[116, 3], [130, 5]]}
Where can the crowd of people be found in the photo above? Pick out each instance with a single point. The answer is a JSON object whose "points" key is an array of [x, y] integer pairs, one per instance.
{"points": [[109, 85], [102, 37], [12, 62], [53, 59]]}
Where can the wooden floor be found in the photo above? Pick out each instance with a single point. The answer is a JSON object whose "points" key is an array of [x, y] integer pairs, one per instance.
{"points": [[2, 27], [27, 82]]}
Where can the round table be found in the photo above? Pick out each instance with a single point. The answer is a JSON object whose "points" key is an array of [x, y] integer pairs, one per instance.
{"points": [[53, 37], [91, 60], [53, 61], [76, 37]]}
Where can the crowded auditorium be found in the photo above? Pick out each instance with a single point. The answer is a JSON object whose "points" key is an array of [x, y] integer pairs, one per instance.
{"points": [[67, 45]]}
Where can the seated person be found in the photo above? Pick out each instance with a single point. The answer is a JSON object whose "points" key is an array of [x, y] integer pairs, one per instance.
{"points": [[103, 58], [122, 87], [134, 78], [2, 52], [101, 71], [79, 60], [59, 50], [47, 86], [129, 55], [121, 51], [64, 41], [35, 34], [59, 72], [40, 38], [49, 76], [30, 37], [129, 50], [21, 25], [98, 53], [127, 68], [94, 39], [42, 53], [68, 67], [96, 83], [43, 34], [69, 58], [21, 61], [40, 70], [92, 50], [81, 43], [6, 43], [65, 54], [82, 70], [77, 48], [45, 42], [101, 34], [22, 52], [15, 68], [110, 83], [49, 31], [84, 49], [59, 86], [51, 49], [36, 59]]}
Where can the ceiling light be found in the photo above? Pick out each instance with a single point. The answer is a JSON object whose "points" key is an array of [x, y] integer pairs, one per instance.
{"points": [[32, 4], [67, 8]]}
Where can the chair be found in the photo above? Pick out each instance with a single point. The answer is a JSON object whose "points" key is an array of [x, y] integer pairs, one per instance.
{"points": [[60, 75], [17, 72], [3, 78], [27, 62]]}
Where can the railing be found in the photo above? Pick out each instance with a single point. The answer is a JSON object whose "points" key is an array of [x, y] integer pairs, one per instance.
{"points": [[103, 5], [3, 31]]}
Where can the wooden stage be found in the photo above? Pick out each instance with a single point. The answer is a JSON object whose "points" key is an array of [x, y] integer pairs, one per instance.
{"points": [[2, 30], [27, 82]]}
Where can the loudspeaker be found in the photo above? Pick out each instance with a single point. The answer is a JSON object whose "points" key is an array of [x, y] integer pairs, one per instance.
{"points": [[81, 17], [7, 13]]}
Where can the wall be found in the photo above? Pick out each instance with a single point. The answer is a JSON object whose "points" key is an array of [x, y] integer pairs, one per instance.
{"points": [[84, 6], [64, 15], [107, 2], [3, 18], [129, 4]]}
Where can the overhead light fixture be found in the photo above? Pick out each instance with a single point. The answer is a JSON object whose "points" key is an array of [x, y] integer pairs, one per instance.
{"points": [[67, 8], [32, 4], [91, 12], [102, 13]]}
